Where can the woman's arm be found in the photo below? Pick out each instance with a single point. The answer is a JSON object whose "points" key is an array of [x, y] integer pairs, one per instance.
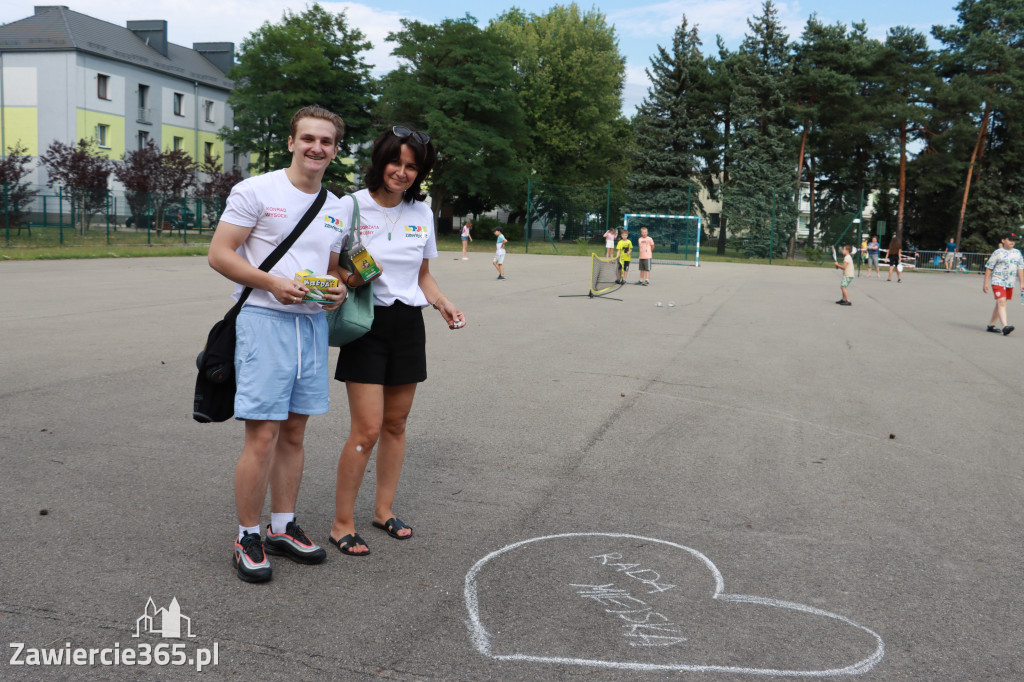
{"points": [[451, 314]]}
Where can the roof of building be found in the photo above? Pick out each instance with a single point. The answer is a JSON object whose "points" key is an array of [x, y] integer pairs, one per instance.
{"points": [[57, 28]]}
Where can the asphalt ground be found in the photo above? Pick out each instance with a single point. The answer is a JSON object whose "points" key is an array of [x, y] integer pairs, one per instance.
{"points": [[747, 482]]}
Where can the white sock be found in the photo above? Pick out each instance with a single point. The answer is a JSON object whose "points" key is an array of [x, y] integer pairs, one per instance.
{"points": [[280, 521], [242, 530]]}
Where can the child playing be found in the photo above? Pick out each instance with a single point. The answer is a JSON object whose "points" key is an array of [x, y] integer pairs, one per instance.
{"points": [[646, 246], [847, 268], [499, 253], [1003, 267], [624, 248], [609, 243], [467, 237]]}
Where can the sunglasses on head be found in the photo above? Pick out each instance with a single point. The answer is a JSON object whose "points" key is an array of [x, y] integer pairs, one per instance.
{"points": [[402, 132]]}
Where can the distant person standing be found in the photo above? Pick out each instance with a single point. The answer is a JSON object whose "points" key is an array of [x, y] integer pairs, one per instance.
{"points": [[950, 254], [872, 251], [499, 253], [609, 243], [466, 237], [624, 248], [894, 254], [1003, 267], [645, 245]]}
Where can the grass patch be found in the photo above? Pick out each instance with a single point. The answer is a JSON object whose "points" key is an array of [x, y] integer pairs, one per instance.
{"points": [[45, 244]]}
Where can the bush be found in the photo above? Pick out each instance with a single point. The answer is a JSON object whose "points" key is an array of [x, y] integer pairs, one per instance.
{"points": [[814, 254], [483, 228], [976, 244]]}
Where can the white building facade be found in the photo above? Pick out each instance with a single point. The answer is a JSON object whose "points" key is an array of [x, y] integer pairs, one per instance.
{"points": [[66, 76]]}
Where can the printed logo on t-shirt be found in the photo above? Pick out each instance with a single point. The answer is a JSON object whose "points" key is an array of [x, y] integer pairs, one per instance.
{"points": [[275, 212], [333, 223], [416, 231]]}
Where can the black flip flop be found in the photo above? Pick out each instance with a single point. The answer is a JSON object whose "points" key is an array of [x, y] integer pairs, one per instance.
{"points": [[392, 526], [346, 543]]}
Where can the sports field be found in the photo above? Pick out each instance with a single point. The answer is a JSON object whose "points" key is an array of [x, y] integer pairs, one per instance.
{"points": [[747, 482]]}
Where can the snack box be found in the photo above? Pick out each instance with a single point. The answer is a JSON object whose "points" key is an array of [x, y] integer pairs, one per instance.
{"points": [[314, 283]]}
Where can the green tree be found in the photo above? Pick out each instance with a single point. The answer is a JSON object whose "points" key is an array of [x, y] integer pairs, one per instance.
{"points": [[983, 57], [670, 128], [313, 57], [761, 192], [836, 95], [907, 93], [571, 76], [819, 77], [720, 123], [456, 82]]}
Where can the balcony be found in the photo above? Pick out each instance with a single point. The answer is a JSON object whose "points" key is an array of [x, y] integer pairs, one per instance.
{"points": [[145, 115]]}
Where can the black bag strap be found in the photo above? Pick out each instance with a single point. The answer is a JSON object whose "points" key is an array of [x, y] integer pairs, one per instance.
{"points": [[282, 248]]}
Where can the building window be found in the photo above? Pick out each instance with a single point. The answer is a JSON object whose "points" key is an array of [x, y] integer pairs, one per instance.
{"points": [[103, 135], [207, 150], [235, 161], [103, 86], [208, 108], [179, 104], [143, 139], [179, 143], [144, 111]]}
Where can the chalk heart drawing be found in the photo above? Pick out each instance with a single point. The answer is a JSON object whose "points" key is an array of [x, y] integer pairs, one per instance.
{"points": [[624, 601]]}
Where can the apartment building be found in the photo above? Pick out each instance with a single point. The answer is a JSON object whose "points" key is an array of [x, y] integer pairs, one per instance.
{"points": [[67, 76]]}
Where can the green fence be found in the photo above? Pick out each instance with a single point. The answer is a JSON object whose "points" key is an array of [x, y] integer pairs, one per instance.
{"points": [[560, 213], [61, 218]]}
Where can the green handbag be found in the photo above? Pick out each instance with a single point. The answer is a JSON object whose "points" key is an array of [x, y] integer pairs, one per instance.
{"points": [[355, 316]]}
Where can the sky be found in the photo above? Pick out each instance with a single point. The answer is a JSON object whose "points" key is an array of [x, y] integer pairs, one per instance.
{"points": [[640, 26]]}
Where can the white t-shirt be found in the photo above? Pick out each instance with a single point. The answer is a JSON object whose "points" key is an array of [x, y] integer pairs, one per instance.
{"points": [[271, 205], [398, 240]]}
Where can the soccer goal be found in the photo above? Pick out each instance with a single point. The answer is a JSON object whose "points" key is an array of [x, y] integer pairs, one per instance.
{"points": [[676, 237]]}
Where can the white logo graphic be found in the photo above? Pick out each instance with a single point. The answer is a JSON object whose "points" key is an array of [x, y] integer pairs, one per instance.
{"points": [[169, 619]]}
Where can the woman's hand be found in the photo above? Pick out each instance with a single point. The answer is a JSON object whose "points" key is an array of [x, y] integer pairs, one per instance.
{"points": [[451, 314]]}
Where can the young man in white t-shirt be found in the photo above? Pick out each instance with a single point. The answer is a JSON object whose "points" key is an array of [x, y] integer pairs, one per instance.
{"points": [[286, 380]]}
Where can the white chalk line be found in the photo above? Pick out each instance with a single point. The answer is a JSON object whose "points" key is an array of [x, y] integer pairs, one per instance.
{"points": [[481, 640]]}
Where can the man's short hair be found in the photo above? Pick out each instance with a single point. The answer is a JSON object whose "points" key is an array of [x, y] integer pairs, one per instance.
{"points": [[317, 111]]}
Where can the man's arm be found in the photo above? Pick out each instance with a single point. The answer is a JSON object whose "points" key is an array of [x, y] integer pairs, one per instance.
{"points": [[225, 259]]}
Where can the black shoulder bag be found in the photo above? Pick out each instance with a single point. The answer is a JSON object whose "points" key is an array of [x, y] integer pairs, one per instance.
{"points": [[215, 384]]}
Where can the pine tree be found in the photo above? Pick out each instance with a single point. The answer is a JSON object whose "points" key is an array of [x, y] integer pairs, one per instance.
{"points": [[908, 89], [759, 198], [984, 59], [670, 145]]}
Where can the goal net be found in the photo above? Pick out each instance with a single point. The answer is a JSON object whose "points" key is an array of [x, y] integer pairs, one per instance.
{"points": [[676, 237], [603, 274]]}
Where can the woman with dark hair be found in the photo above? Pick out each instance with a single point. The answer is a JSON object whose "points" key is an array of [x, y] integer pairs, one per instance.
{"points": [[894, 254], [381, 370]]}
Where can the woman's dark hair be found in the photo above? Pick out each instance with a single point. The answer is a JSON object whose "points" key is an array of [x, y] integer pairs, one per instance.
{"points": [[894, 245], [387, 148]]}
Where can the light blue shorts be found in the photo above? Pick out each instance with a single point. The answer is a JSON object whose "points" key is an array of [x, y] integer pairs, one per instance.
{"points": [[280, 364]]}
